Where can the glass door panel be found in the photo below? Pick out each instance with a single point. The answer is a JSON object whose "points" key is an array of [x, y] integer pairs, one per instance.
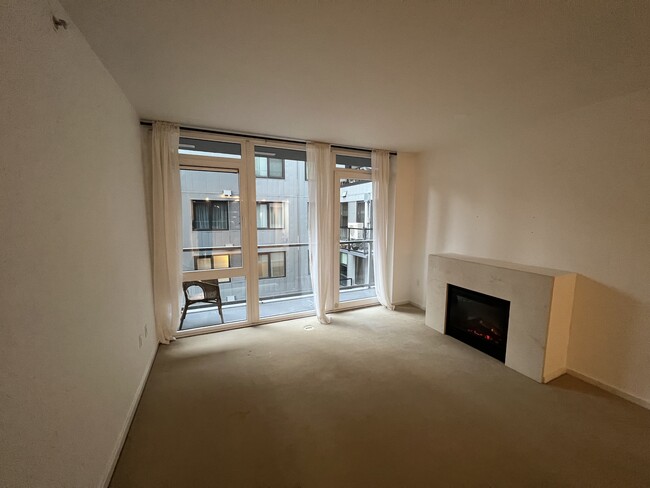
{"points": [[282, 236], [356, 276], [212, 257]]}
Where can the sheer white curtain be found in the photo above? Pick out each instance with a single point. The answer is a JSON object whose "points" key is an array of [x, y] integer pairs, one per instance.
{"points": [[321, 235], [166, 193], [380, 175]]}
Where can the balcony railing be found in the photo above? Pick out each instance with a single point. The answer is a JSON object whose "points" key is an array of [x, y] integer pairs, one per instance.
{"points": [[274, 303], [356, 247], [355, 234]]}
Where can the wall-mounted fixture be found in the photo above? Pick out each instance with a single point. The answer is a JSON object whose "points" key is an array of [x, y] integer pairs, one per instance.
{"points": [[59, 23]]}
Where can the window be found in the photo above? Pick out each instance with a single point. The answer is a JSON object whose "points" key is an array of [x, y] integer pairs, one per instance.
{"points": [[209, 215], [208, 148], [353, 162], [214, 261], [272, 264], [360, 269], [343, 270], [202, 262], [344, 215], [269, 167], [361, 213], [270, 215]]}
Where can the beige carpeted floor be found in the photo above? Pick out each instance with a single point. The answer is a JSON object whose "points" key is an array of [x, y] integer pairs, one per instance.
{"points": [[376, 399]]}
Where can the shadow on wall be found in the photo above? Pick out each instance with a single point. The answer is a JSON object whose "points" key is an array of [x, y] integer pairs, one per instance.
{"points": [[602, 342], [145, 146]]}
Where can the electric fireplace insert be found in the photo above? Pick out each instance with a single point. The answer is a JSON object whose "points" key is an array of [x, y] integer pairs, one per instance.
{"points": [[478, 320]]}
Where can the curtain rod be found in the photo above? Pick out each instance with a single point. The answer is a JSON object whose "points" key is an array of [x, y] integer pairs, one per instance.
{"points": [[149, 123]]}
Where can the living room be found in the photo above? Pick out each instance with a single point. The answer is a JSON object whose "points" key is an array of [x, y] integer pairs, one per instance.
{"points": [[518, 133]]}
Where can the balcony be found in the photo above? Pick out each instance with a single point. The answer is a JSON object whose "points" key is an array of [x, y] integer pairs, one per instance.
{"points": [[284, 295], [198, 316]]}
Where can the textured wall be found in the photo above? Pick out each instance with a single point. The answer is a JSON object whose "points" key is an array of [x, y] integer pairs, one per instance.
{"points": [[75, 292]]}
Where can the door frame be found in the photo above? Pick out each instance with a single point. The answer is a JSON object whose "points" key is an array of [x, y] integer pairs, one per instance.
{"points": [[247, 215]]}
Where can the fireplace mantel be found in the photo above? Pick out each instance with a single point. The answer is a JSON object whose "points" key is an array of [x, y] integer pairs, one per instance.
{"points": [[541, 303]]}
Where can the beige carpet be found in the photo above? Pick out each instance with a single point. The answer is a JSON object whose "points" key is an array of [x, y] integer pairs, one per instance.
{"points": [[376, 399]]}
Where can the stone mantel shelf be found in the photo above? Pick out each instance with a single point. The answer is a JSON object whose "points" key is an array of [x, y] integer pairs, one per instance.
{"points": [[505, 264], [541, 304]]}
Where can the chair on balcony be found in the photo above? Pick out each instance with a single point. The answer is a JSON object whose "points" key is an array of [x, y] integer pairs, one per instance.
{"points": [[201, 292]]}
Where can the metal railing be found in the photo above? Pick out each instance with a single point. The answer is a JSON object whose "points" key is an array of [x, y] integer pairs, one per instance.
{"points": [[352, 234], [356, 247]]}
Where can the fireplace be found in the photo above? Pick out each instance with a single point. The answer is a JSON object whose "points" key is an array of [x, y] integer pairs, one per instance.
{"points": [[478, 320], [539, 317]]}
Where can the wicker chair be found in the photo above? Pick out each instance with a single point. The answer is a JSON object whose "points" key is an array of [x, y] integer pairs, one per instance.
{"points": [[209, 294]]}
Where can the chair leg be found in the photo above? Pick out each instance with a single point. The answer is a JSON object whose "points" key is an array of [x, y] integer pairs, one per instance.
{"points": [[183, 317], [220, 312]]}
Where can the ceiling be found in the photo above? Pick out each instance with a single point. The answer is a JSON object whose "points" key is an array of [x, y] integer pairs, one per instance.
{"points": [[405, 75]]}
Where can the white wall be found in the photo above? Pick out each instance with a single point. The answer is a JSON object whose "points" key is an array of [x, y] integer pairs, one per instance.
{"points": [[75, 288], [569, 192]]}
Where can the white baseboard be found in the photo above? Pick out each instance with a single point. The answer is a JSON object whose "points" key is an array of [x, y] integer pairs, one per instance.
{"points": [[127, 422], [409, 302], [611, 389]]}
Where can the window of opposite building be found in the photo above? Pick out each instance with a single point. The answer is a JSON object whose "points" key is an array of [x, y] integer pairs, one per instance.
{"points": [[343, 269], [344, 215], [213, 261], [266, 167], [272, 264], [361, 212], [270, 215], [209, 215]]}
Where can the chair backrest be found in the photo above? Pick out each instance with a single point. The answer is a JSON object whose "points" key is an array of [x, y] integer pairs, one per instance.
{"points": [[209, 291], [193, 291]]}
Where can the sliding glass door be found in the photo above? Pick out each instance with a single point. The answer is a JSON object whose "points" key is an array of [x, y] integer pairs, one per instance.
{"points": [[244, 231], [354, 250]]}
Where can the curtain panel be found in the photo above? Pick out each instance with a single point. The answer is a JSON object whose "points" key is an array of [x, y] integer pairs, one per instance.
{"points": [[380, 161], [167, 275], [320, 179]]}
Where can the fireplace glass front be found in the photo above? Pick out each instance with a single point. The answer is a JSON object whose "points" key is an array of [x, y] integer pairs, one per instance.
{"points": [[478, 320]]}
